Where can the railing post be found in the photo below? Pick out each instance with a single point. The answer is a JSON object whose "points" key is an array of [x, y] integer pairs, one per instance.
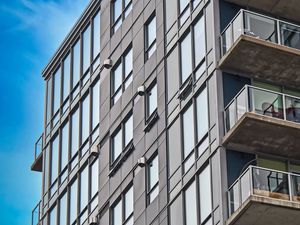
{"points": [[290, 186], [247, 98], [284, 106], [278, 32], [251, 180]]}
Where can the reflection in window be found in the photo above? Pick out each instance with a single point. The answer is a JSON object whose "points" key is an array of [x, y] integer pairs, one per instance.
{"points": [[84, 184], [153, 178], [53, 216], [96, 36], [186, 58], [86, 49], [117, 145], [94, 177], [128, 130], [202, 114], [199, 40], [73, 202], [150, 37], [64, 145], [128, 203], [54, 158], [176, 212], [205, 193], [63, 210], [76, 63], [121, 9], [117, 213], [75, 132], [191, 205], [56, 88], [95, 102], [151, 100], [188, 131], [67, 75], [85, 128]]}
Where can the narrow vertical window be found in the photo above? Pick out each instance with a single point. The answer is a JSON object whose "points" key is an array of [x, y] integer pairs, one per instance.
{"points": [[73, 201], [84, 184], [49, 100], [63, 210], [95, 103], [75, 132], [128, 198], [128, 68], [53, 216], [76, 64], [153, 179], [86, 49], [205, 193], [96, 36], [150, 38], [117, 213], [184, 10], [116, 145], [95, 179], [57, 89], [191, 205], [120, 10], [128, 131], [67, 75], [188, 131], [117, 82], [186, 58], [64, 145], [85, 119], [151, 101], [202, 114], [54, 158]]}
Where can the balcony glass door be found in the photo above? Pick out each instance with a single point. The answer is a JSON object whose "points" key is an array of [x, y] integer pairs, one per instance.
{"points": [[290, 35]]}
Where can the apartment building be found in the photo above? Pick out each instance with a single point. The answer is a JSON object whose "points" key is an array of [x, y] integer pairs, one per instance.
{"points": [[173, 112]]}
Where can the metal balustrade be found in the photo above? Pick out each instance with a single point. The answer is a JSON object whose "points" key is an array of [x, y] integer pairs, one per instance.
{"points": [[36, 215]]}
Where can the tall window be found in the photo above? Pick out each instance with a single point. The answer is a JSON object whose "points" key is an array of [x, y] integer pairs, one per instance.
{"points": [[121, 138], [121, 75], [151, 100], [185, 8], [192, 52], [122, 210], [85, 119], [54, 159], [73, 201], [63, 210], [75, 132], [66, 76], [95, 104], [153, 179], [205, 194], [64, 146], [150, 37], [120, 10], [84, 185], [53, 216], [96, 36], [76, 64], [86, 49], [190, 205]]}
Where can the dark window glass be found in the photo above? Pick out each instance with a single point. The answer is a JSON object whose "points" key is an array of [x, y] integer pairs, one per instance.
{"points": [[76, 63], [176, 212], [202, 114], [73, 201], [86, 58], [150, 37], [84, 184], [96, 36], [186, 58], [53, 216], [56, 88], [191, 205], [188, 130], [152, 100], [75, 132], [117, 213], [63, 210], [64, 145], [96, 107], [67, 75], [85, 118], [54, 158], [153, 178]]}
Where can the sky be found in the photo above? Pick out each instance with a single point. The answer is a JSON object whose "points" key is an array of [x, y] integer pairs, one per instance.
{"points": [[30, 33]]}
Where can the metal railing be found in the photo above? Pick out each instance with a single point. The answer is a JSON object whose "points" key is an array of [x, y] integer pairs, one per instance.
{"points": [[36, 215], [263, 102], [261, 27], [257, 181], [38, 146]]}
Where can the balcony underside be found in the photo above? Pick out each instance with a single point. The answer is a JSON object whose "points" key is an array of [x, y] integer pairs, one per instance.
{"points": [[255, 133], [260, 59], [284, 8], [259, 210], [37, 165]]}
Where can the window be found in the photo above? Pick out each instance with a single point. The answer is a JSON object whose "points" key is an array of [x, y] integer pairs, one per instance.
{"points": [[176, 211], [66, 76], [150, 38], [188, 131], [153, 179], [151, 101], [96, 36], [63, 210], [75, 132], [202, 114], [120, 10], [64, 146], [54, 158], [205, 194], [56, 88], [122, 75], [122, 211], [122, 138], [86, 49], [53, 216], [95, 104], [76, 64], [73, 202], [85, 119], [193, 51], [191, 205], [84, 184], [185, 8], [49, 97], [94, 177]]}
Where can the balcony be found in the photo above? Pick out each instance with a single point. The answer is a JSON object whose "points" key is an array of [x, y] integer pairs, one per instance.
{"points": [[261, 47], [37, 164], [284, 8], [261, 196], [36, 215], [263, 121]]}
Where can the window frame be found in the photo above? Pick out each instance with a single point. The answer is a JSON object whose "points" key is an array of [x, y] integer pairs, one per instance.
{"points": [[152, 45], [149, 115], [122, 16], [150, 190]]}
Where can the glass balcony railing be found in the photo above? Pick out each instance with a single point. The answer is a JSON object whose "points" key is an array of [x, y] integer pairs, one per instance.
{"points": [[36, 216], [263, 102], [256, 181], [38, 147], [261, 27]]}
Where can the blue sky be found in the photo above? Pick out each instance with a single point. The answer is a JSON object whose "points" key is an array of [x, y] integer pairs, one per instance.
{"points": [[30, 32]]}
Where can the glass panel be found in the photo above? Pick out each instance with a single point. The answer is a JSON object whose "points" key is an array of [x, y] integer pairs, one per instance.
{"points": [[290, 35], [117, 77], [85, 129], [234, 198], [184, 10], [270, 184], [189, 162], [130, 221], [227, 40], [63, 210], [267, 103], [151, 32], [188, 131], [64, 145], [203, 146], [292, 109], [261, 27], [174, 147], [117, 145], [54, 158], [237, 27], [56, 88], [186, 58], [202, 114], [49, 102], [117, 9], [245, 186], [295, 182], [67, 75], [86, 58], [96, 38], [205, 193], [153, 172], [151, 50], [241, 103], [75, 132], [152, 100], [46, 168], [128, 63], [128, 9], [84, 191], [153, 194], [94, 177], [176, 212], [96, 106], [117, 214], [128, 202], [52, 220], [199, 40], [191, 205], [73, 201], [128, 130], [76, 63]]}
